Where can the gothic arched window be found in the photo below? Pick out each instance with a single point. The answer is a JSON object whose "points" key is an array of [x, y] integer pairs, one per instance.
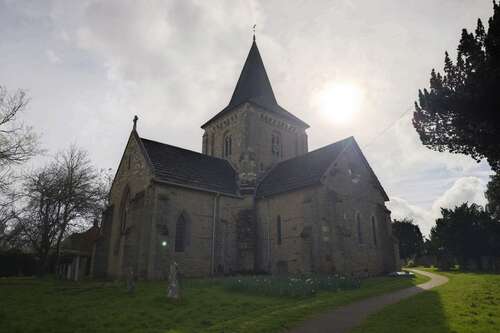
{"points": [[227, 145], [374, 231], [124, 208], [278, 230], [360, 234], [181, 233]]}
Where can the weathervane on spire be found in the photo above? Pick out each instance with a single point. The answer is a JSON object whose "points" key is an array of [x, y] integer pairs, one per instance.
{"points": [[253, 29]]}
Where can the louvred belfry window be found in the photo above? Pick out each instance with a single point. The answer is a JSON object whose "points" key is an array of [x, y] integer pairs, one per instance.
{"points": [[276, 147], [227, 145]]}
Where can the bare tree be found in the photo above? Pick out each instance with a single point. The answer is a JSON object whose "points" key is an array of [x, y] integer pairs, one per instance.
{"points": [[63, 197], [38, 219], [7, 218], [18, 143], [81, 195]]}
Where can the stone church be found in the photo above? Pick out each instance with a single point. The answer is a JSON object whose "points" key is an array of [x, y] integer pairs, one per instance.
{"points": [[255, 200]]}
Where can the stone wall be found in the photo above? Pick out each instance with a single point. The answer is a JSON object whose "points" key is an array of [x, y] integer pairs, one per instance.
{"points": [[293, 253], [232, 124], [319, 225], [212, 226], [261, 127], [129, 237], [357, 197], [251, 129]]}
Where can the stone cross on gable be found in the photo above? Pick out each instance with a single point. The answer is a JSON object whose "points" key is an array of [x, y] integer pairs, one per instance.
{"points": [[135, 122]]}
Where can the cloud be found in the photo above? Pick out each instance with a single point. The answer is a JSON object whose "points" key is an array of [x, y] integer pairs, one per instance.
{"points": [[175, 64], [465, 189], [402, 209], [52, 56]]}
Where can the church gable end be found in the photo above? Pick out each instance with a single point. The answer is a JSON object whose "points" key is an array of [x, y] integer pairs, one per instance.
{"points": [[351, 170], [134, 169]]}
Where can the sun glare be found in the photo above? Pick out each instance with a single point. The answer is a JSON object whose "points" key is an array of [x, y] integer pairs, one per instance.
{"points": [[339, 102]]}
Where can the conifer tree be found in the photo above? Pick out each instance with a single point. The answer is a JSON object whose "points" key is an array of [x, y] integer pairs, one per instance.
{"points": [[460, 112]]}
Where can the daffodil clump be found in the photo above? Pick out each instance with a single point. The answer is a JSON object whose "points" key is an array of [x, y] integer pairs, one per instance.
{"points": [[291, 286]]}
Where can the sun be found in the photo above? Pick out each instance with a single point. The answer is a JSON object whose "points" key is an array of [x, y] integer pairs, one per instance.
{"points": [[339, 102]]}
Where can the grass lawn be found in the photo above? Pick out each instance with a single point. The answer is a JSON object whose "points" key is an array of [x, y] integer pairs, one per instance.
{"points": [[469, 302], [31, 305]]}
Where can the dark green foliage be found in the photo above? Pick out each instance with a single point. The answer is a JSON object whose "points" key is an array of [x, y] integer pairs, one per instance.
{"points": [[299, 286], [493, 196], [466, 233], [411, 242], [17, 263], [460, 113]]}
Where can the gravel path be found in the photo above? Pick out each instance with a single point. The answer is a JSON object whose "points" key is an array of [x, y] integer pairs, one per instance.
{"points": [[345, 318]]}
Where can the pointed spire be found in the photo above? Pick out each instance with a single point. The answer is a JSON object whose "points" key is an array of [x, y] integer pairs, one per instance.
{"points": [[253, 84]]}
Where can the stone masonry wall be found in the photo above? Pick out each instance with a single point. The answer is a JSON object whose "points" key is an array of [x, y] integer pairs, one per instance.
{"points": [[207, 249], [319, 228], [251, 129], [128, 246], [354, 196]]}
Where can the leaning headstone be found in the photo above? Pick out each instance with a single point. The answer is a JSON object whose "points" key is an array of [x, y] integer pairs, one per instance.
{"points": [[130, 281], [173, 283]]}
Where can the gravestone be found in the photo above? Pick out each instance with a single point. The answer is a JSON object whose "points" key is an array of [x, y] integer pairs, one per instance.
{"points": [[130, 281], [173, 283]]}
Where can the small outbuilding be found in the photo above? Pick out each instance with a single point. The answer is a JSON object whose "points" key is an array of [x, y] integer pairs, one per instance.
{"points": [[76, 254]]}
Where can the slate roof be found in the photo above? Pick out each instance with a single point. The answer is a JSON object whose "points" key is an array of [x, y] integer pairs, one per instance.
{"points": [[254, 86], [301, 171], [80, 243], [253, 81], [185, 167]]}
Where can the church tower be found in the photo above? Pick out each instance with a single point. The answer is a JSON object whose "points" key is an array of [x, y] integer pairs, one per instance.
{"points": [[253, 131]]}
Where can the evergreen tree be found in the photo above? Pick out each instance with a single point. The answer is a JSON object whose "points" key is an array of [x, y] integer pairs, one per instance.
{"points": [[493, 196], [460, 113], [466, 232], [411, 242]]}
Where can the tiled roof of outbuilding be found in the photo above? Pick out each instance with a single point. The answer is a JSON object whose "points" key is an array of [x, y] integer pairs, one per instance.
{"points": [[188, 168], [301, 171], [80, 242]]}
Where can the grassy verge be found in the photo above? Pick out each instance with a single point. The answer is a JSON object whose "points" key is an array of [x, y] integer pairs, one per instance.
{"points": [[30, 305], [469, 302]]}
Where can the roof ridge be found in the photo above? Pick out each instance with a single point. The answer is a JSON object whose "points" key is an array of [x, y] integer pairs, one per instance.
{"points": [[185, 149], [317, 149], [183, 167], [295, 176]]}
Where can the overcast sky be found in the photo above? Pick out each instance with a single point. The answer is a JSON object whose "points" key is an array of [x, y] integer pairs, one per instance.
{"points": [[89, 66]]}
